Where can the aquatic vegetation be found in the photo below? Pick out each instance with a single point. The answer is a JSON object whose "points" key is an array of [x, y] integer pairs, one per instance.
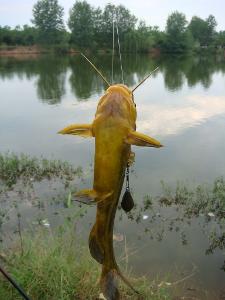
{"points": [[178, 207], [27, 169], [57, 265], [37, 184], [204, 199]]}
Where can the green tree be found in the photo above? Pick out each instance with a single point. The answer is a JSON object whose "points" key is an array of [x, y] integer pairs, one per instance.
{"points": [[178, 38], [48, 19], [211, 29], [176, 24], [25, 35], [143, 38], [124, 20], [97, 27], [81, 19], [203, 31], [198, 29], [29, 35], [6, 35], [220, 39]]}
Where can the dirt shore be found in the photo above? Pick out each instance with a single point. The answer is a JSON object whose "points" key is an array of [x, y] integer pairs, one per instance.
{"points": [[29, 50]]}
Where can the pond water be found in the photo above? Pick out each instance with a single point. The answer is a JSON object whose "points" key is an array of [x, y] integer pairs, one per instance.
{"points": [[182, 105]]}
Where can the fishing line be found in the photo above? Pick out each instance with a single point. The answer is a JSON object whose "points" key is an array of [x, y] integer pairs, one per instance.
{"points": [[16, 286], [113, 49], [127, 178], [118, 40]]}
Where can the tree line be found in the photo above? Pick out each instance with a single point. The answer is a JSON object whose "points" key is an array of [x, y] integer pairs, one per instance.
{"points": [[91, 28]]}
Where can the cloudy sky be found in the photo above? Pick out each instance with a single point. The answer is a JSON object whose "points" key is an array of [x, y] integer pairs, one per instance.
{"points": [[154, 12]]}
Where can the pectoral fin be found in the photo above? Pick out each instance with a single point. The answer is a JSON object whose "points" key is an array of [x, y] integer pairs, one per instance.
{"points": [[91, 196], [140, 139], [86, 196], [84, 130]]}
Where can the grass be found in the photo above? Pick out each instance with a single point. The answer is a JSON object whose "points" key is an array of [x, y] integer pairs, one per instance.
{"points": [[58, 266], [23, 167]]}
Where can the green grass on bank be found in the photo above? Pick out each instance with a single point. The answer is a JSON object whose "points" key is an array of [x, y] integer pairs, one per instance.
{"points": [[59, 267]]}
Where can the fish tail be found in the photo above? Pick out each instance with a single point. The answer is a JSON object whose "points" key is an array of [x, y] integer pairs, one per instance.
{"points": [[126, 281], [109, 283]]}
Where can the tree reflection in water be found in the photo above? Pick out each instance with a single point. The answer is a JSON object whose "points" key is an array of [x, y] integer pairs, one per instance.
{"points": [[51, 72], [51, 80]]}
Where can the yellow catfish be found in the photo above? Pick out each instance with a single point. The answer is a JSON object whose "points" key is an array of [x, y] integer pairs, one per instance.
{"points": [[114, 130]]}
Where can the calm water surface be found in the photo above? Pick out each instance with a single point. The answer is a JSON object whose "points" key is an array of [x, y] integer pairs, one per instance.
{"points": [[182, 105]]}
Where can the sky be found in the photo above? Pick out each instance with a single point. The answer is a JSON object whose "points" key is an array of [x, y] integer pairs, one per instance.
{"points": [[153, 12]]}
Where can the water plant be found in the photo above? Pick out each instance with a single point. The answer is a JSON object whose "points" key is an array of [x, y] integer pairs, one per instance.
{"points": [[22, 167], [179, 206]]}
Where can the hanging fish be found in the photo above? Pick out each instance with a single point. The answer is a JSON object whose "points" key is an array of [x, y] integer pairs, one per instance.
{"points": [[114, 130]]}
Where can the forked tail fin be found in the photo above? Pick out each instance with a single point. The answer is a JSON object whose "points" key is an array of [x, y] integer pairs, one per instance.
{"points": [[126, 281]]}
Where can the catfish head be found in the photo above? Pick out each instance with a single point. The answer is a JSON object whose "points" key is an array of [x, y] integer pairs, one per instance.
{"points": [[118, 103]]}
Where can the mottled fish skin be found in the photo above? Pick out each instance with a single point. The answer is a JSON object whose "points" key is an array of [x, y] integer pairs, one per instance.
{"points": [[114, 130]]}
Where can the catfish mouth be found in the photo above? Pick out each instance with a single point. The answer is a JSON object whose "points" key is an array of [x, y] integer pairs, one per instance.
{"points": [[125, 87], [122, 88]]}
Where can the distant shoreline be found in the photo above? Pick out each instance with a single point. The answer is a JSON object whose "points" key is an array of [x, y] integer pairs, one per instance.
{"points": [[31, 50], [36, 50]]}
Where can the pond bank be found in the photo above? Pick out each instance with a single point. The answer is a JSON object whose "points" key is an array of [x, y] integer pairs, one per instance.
{"points": [[33, 50], [58, 266], [36, 50]]}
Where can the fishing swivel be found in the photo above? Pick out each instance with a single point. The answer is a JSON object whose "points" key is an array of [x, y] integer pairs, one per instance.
{"points": [[127, 178]]}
